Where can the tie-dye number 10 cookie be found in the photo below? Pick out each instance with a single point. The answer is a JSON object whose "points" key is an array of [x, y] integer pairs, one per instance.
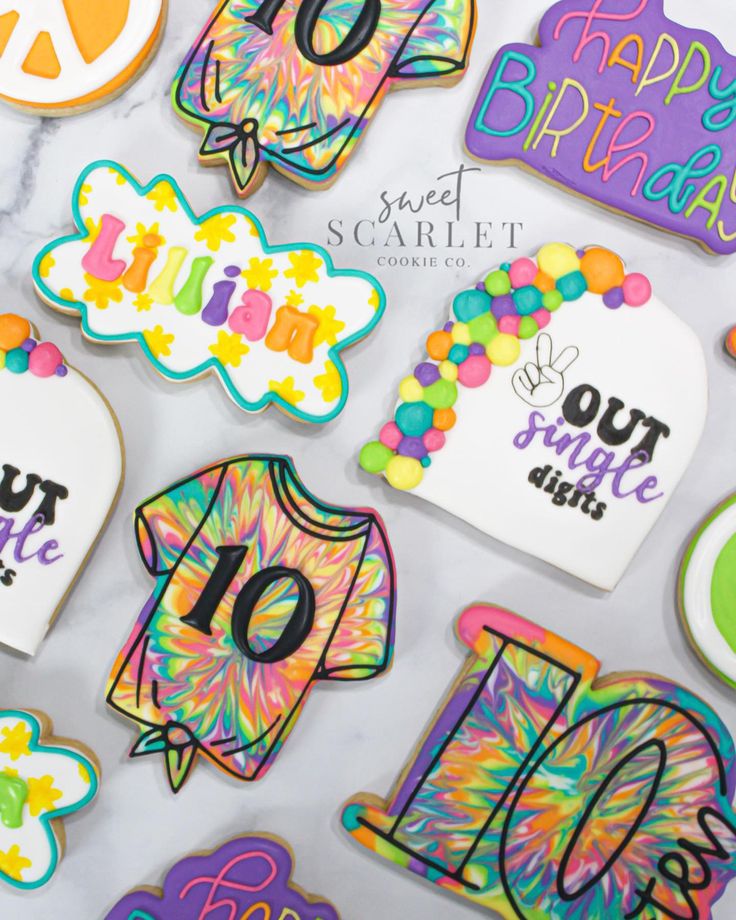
{"points": [[42, 779], [544, 793], [294, 83], [208, 294]]}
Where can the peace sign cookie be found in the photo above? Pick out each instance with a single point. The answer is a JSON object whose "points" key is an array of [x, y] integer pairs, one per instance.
{"points": [[61, 56], [556, 409]]}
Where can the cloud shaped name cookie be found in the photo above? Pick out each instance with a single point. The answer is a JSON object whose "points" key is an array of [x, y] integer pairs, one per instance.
{"points": [[208, 294]]}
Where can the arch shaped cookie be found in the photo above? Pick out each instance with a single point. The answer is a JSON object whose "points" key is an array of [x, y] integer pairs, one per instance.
{"points": [[61, 468], [551, 410]]}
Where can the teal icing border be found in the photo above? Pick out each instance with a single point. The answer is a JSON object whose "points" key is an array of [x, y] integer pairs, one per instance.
{"points": [[37, 746], [212, 364]]}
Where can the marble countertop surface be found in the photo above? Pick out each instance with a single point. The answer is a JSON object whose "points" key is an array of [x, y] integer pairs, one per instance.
{"points": [[349, 738]]}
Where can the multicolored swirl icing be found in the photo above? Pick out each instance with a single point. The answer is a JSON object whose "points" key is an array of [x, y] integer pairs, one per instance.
{"points": [[540, 792], [261, 591], [296, 82]]}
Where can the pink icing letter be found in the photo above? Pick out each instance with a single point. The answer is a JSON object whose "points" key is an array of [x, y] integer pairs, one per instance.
{"points": [[252, 318], [99, 262]]}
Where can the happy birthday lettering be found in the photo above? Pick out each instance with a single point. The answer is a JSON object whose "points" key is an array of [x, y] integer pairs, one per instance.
{"points": [[293, 331], [601, 105]]}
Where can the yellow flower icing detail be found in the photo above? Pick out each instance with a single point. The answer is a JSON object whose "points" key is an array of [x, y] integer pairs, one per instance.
{"points": [[304, 267], [100, 293], [286, 390], [229, 348], [158, 341], [47, 263], [142, 231], [294, 299], [93, 229], [329, 384], [163, 197], [84, 773], [374, 300], [42, 795], [143, 303], [328, 328], [216, 230], [84, 194], [67, 294], [13, 863], [15, 741], [259, 273]]}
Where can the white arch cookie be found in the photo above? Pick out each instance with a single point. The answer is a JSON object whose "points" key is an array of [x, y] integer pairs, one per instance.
{"points": [[60, 56], [556, 409], [61, 465], [707, 591]]}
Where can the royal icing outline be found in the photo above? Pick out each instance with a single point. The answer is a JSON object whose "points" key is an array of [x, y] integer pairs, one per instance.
{"points": [[225, 870], [705, 590], [384, 43], [78, 83], [297, 352], [17, 806], [518, 797], [330, 569], [56, 492], [552, 108], [533, 350]]}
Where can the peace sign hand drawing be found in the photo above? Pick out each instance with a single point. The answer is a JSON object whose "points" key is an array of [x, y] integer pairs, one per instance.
{"points": [[543, 383]]}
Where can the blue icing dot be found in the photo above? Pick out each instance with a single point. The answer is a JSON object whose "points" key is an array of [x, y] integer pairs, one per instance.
{"points": [[425, 461], [16, 361], [458, 353], [413, 419], [527, 300], [469, 304], [572, 286]]}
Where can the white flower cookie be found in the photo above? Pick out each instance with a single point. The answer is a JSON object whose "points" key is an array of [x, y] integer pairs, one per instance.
{"points": [[41, 781]]}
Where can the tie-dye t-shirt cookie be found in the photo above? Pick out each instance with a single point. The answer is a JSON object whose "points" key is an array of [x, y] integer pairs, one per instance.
{"points": [[295, 82], [261, 591]]}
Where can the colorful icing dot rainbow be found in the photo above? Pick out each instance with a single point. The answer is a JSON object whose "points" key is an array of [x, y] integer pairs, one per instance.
{"points": [[487, 322], [21, 353]]}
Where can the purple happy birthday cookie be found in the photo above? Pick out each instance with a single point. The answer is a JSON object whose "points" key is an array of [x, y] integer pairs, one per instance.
{"points": [[243, 875], [623, 106]]}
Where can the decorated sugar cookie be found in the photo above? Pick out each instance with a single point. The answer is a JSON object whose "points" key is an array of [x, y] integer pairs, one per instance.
{"points": [[294, 83], [62, 56], [261, 591], [61, 465], [556, 410], [730, 342], [42, 780], [249, 876], [208, 294], [542, 791], [707, 591], [623, 106]]}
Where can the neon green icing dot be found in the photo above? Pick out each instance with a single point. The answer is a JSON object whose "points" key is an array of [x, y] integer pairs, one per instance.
{"points": [[441, 395], [375, 456], [723, 592], [498, 283], [482, 329], [13, 795], [528, 327], [552, 300]]}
